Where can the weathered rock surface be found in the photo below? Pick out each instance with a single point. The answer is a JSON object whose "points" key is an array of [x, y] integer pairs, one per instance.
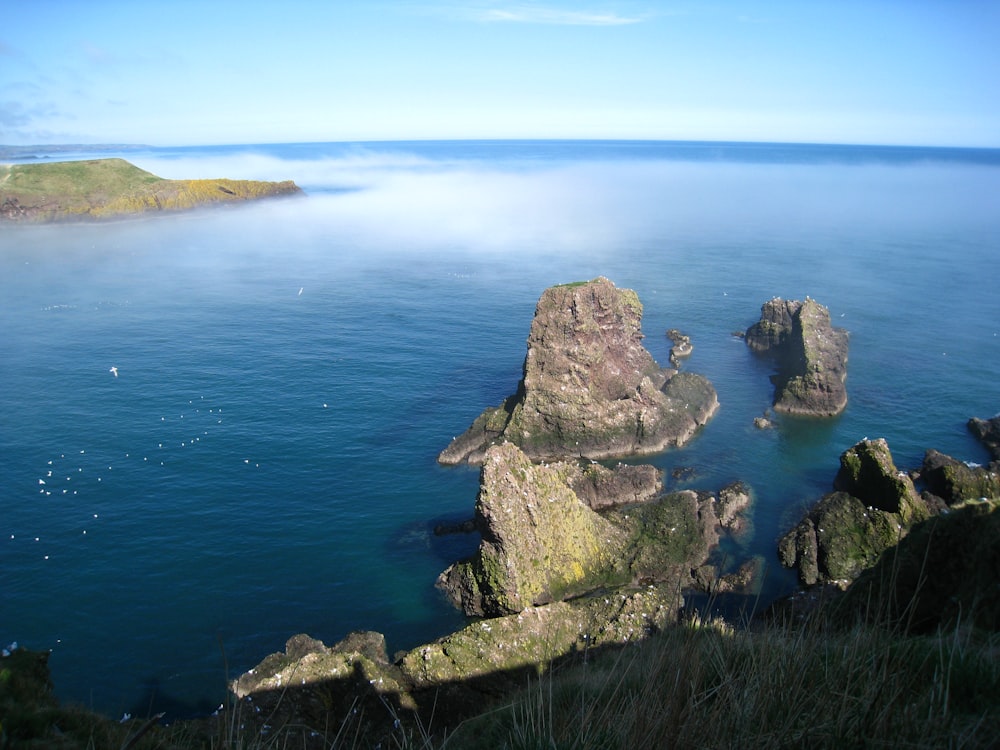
{"points": [[847, 531], [537, 635], [681, 348], [868, 473], [541, 542], [988, 431], [734, 500], [955, 481], [811, 356], [451, 677], [626, 484], [590, 389]]}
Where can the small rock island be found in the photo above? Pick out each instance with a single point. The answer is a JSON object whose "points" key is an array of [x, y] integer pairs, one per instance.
{"points": [[590, 389], [114, 188], [811, 356]]}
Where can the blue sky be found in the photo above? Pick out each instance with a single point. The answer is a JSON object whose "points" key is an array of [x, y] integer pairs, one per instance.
{"points": [[180, 73]]}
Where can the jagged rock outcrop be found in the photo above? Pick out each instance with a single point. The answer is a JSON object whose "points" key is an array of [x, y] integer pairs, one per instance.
{"points": [[682, 347], [590, 389], [874, 507], [988, 432], [955, 481], [811, 356], [541, 542], [626, 484], [734, 500], [449, 678]]}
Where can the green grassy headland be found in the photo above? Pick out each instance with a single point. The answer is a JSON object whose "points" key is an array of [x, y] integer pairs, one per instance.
{"points": [[104, 188]]}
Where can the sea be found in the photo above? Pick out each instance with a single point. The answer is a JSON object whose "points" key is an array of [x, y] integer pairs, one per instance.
{"points": [[261, 461]]}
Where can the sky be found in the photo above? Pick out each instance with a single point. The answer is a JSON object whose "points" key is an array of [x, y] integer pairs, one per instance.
{"points": [[181, 72]]}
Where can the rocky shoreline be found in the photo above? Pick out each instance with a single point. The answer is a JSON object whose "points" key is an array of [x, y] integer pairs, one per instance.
{"points": [[577, 555]]}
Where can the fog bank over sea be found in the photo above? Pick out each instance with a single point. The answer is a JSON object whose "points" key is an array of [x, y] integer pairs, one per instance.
{"points": [[264, 462]]}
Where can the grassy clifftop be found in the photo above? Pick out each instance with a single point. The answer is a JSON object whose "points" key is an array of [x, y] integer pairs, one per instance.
{"points": [[103, 188]]}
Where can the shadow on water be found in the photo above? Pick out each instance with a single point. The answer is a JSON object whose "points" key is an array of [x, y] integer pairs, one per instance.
{"points": [[155, 699]]}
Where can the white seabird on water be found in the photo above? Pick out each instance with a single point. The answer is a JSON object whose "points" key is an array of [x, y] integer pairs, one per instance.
{"points": [[114, 371]]}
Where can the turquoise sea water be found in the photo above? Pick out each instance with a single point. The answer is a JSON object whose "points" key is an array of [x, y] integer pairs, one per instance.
{"points": [[264, 463]]}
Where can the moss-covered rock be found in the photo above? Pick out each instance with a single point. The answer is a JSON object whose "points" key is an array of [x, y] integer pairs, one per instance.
{"points": [[811, 356], [538, 635], [868, 472], [590, 389], [540, 542], [956, 481], [847, 531], [945, 572]]}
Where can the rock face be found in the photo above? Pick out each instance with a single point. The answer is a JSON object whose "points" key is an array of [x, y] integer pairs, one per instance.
{"points": [[590, 389], [811, 356], [988, 431], [847, 531], [541, 542], [955, 481]]}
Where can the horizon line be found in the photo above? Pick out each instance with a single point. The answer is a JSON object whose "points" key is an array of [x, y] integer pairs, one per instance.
{"points": [[737, 142]]}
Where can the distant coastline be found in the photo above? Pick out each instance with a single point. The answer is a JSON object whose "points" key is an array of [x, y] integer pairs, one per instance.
{"points": [[112, 188]]}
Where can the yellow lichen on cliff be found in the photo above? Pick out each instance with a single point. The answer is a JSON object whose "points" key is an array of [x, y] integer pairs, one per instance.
{"points": [[102, 188]]}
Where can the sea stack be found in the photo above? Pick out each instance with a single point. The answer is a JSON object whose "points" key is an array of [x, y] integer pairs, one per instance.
{"points": [[590, 389], [811, 356]]}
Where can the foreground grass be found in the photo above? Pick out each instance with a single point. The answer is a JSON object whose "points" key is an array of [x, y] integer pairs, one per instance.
{"points": [[693, 686], [101, 188], [712, 687]]}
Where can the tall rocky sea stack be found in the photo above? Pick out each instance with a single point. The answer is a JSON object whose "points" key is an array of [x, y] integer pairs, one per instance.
{"points": [[590, 389], [811, 356]]}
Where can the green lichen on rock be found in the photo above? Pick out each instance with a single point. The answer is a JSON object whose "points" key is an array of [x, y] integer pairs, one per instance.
{"points": [[590, 389], [847, 531], [868, 472], [668, 538], [536, 636], [944, 573], [540, 541], [956, 481]]}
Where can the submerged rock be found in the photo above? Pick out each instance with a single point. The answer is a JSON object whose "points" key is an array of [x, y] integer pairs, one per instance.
{"points": [[590, 389], [847, 531], [811, 355]]}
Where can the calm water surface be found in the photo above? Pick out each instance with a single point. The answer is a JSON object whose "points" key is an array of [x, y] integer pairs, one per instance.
{"points": [[264, 463]]}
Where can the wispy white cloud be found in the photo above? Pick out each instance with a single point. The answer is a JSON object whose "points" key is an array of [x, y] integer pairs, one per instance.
{"points": [[535, 14]]}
